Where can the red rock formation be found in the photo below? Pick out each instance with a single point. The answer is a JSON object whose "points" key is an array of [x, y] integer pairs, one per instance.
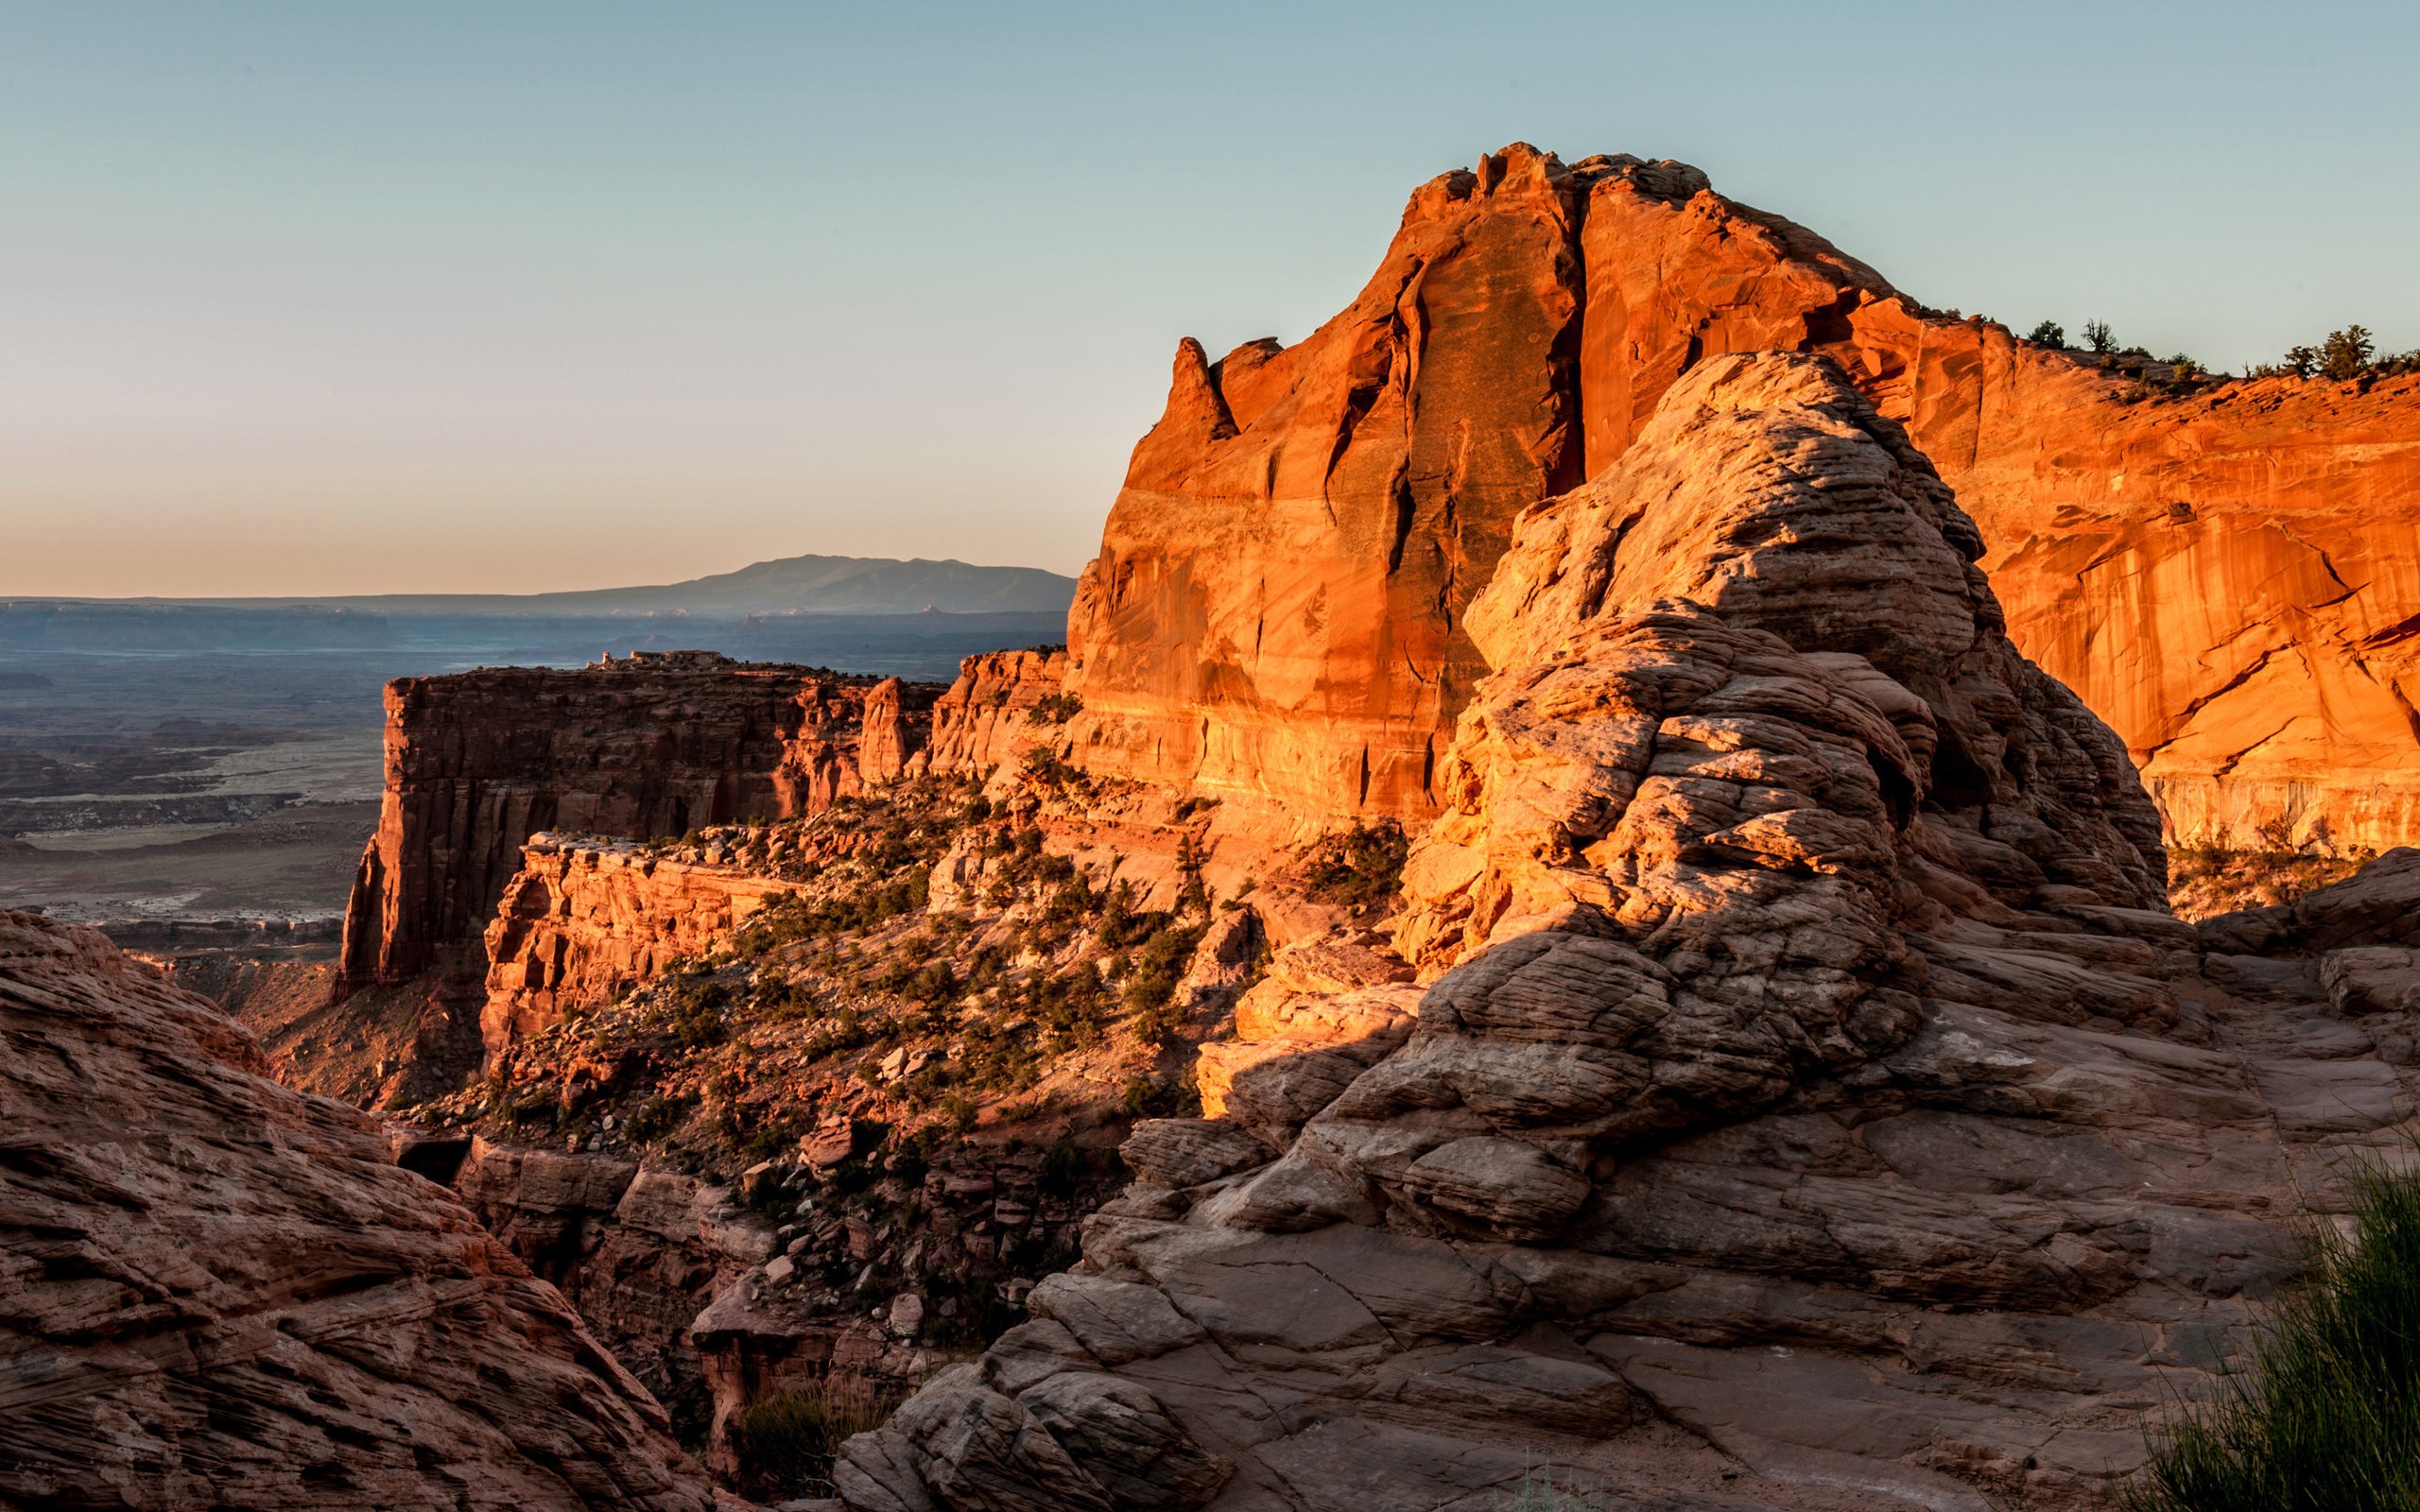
{"points": [[478, 761], [580, 924], [1275, 608], [1816, 1111], [849, 737], [638, 1250], [987, 719], [217, 1291]]}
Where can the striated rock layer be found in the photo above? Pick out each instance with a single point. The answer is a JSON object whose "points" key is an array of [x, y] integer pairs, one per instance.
{"points": [[1277, 606], [478, 761], [1812, 1106], [580, 924], [217, 1291]]}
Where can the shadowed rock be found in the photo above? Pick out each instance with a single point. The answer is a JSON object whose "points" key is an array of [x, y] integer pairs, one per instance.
{"points": [[217, 1291]]}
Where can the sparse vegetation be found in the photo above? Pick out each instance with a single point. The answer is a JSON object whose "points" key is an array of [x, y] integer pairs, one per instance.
{"points": [[2097, 337], [2345, 355], [2049, 334], [1054, 708], [788, 1440], [2206, 879], [1541, 1490], [2323, 1415], [1360, 868]]}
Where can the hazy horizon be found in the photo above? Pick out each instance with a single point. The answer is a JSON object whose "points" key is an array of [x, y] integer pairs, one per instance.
{"points": [[407, 591], [319, 302]]}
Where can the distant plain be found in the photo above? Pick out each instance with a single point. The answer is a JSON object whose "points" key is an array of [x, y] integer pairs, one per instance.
{"points": [[164, 762]]}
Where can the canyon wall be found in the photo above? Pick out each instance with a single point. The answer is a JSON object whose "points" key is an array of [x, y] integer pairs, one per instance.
{"points": [[478, 761], [994, 711], [581, 923], [1276, 610], [217, 1292]]}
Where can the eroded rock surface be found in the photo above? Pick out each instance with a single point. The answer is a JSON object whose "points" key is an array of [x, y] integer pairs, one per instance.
{"points": [[478, 761], [217, 1292], [1813, 1106], [580, 924], [1277, 608]]}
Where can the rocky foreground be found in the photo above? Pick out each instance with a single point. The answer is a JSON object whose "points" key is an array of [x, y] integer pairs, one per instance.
{"points": [[1814, 1105], [218, 1292]]}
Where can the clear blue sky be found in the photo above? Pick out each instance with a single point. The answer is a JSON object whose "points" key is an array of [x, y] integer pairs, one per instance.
{"points": [[325, 296]]}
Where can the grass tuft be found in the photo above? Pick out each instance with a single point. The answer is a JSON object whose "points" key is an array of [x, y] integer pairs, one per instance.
{"points": [[786, 1443], [2323, 1415]]}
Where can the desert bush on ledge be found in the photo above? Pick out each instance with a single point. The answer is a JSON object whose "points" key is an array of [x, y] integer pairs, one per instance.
{"points": [[2325, 1414]]}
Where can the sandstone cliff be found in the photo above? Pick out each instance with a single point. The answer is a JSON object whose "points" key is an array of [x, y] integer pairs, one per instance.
{"points": [[478, 761], [218, 1293], [996, 712], [1814, 1108], [580, 925], [1276, 610]]}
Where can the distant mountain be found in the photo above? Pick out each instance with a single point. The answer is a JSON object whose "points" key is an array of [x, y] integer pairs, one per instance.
{"points": [[791, 585]]}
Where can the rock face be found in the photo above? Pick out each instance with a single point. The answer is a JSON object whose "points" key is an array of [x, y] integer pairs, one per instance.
{"points": [[218, 1292], [478, 761], [1811, 1107], [638, 1251], [580, 924], [2228, 580], [1276, 610], [987, 719]]}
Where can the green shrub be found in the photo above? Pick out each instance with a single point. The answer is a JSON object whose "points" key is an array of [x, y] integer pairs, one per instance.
{"points": [[1360, 868], [2346, 353], [1054, 708], [1540, 1491], [2323, 1415], [656, 1117], [1044, 767], [1160, 966], [2049, 334]]}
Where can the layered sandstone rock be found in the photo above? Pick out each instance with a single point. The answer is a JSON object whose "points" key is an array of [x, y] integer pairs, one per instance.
{"points": [[1815, 1108], [994, 712], [638, 1250], [580, 924], [217, 1292], [1276, 608], [478, 761], [850, 738]]}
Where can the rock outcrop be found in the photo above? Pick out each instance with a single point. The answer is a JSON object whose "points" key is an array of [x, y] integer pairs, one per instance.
{"points": [[217, 1292], [580, 924], [478, 761], [1276, 610], [996, 712], [1812, 1106], [639, 1251]]}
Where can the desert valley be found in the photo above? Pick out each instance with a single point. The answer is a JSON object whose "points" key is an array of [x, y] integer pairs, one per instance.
{"points": [[1643, 874]]}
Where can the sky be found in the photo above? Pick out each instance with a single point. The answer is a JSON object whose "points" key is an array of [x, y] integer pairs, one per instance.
{"points": [[311, 298]]}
